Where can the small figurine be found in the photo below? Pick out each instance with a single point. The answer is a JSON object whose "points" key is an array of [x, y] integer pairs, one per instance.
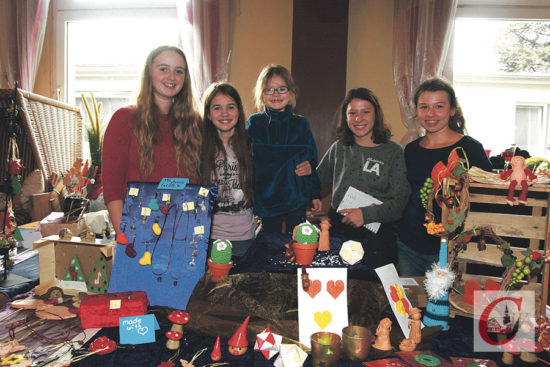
{"points": [[238, 343], [518, 174], [415, 325], [216, 354], [65, 234], [324, 238], [383, 330]]}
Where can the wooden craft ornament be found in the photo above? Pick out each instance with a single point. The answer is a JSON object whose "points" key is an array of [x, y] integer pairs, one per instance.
{"points": [[49, 312], [324, 237]]}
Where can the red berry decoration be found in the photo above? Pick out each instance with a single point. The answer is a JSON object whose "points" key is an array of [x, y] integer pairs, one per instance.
{"points": [[535, 256]]}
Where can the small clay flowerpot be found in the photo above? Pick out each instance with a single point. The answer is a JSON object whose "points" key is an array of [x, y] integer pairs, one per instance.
{"points": [[219, 271], [304, 252]]}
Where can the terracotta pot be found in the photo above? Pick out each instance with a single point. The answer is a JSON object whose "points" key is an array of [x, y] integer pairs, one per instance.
{"points": [[304, 252], [219, 271]]}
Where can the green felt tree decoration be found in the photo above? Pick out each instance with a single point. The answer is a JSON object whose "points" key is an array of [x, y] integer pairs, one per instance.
{"points": [[98, 282], [74, 272]]}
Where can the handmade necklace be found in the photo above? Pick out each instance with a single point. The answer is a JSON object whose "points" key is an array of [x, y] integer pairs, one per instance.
{"points": [[133, 192], [184, 249], [176, 222]]}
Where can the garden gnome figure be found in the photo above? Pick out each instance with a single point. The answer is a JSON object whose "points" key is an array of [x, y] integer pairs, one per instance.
{"points": [[238, 343], [324, 238], [437, 310], [383, 330], [415, 325]]}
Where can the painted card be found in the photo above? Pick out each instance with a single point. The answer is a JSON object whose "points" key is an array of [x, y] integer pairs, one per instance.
{"points": [[395, 292], [324, 307]]}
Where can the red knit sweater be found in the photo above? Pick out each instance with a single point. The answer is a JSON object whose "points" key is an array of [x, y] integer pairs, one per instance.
{"points": [[120, 160]]}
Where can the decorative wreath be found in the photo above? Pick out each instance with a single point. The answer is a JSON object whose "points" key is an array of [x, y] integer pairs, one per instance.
{"points": [[448, 187]]}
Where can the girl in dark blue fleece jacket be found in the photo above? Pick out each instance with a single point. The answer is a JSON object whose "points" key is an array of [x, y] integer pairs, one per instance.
{"points": [[284, 152]]}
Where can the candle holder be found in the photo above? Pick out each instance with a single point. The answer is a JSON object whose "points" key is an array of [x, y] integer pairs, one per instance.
{"points": [[356, 342], [325, 349]]}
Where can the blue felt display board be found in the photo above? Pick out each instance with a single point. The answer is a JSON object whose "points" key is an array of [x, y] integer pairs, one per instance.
{"points": [[178, 254]]}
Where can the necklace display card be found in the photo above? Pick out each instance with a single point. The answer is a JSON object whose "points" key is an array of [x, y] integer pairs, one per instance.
{"points": [[162, 242]]}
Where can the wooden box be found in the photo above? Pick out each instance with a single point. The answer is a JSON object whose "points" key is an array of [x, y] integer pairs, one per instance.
{"points": [[522, 226], [55, 256]]}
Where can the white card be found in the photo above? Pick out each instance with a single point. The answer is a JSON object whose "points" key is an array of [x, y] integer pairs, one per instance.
{"points": [[397, 298], [325, 306]]}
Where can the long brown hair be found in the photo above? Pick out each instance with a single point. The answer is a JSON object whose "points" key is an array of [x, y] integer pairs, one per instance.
{"points": [[212, 145], [457, 122], [184, 121], [381, 133]]}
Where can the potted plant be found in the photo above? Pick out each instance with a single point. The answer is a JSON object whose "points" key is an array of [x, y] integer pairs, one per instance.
{"points": [[95, 139], [220, 261], [305, 243]]}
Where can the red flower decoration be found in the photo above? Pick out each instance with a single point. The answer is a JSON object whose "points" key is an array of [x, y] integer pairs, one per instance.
{"points": [[166, 364], [401, 304], [104, 344]]}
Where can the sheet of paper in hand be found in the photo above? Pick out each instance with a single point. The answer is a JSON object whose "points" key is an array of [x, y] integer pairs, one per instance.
{"points": [[358, 199]]}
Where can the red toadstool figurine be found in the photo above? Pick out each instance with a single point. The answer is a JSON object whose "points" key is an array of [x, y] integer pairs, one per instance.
{"points": [[216, 354], [173, 342], [238, 343], [178, 318]]}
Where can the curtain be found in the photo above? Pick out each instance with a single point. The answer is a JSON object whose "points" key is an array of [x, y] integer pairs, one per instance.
{"points": [[205, 36], [422, 31], [23, 26]]}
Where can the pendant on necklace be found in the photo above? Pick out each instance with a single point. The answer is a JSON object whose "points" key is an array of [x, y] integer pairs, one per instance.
{"points": [[175, 283], [159, 279]]}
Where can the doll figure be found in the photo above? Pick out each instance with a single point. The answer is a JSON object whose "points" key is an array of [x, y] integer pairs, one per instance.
{"points": [[382, 341], [415, 325], [518, 174], [324, 238]]}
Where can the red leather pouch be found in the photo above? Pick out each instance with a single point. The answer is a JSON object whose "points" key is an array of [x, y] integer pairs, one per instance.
{"points": [[104, 310]]}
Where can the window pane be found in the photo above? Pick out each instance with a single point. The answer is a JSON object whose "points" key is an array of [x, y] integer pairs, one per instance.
{"points": [[107, 56], [498, 65], [528, 129]]}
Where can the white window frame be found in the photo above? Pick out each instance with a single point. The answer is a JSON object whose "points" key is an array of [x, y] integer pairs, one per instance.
{"points": [[545, 122], [74, 10]]}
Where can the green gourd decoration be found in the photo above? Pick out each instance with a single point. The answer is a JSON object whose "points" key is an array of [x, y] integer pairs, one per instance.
{"points": [[221, 252], [306, 233]]}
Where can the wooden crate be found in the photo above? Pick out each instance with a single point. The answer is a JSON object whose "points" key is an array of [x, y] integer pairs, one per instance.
{"points": [[522, 226], [55, 255]]}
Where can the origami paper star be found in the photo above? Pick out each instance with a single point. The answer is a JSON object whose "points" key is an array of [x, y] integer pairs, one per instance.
{"points": [[290, 355], [351, 252], [268, 343]]}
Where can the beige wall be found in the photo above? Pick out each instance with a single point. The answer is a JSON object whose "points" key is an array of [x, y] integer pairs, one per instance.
{"points": [[262, 35], [370, 38], [43, 83]]}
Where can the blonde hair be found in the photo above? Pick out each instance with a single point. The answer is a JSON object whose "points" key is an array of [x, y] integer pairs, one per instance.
{"points": [[265, 75], [184, 121]]}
